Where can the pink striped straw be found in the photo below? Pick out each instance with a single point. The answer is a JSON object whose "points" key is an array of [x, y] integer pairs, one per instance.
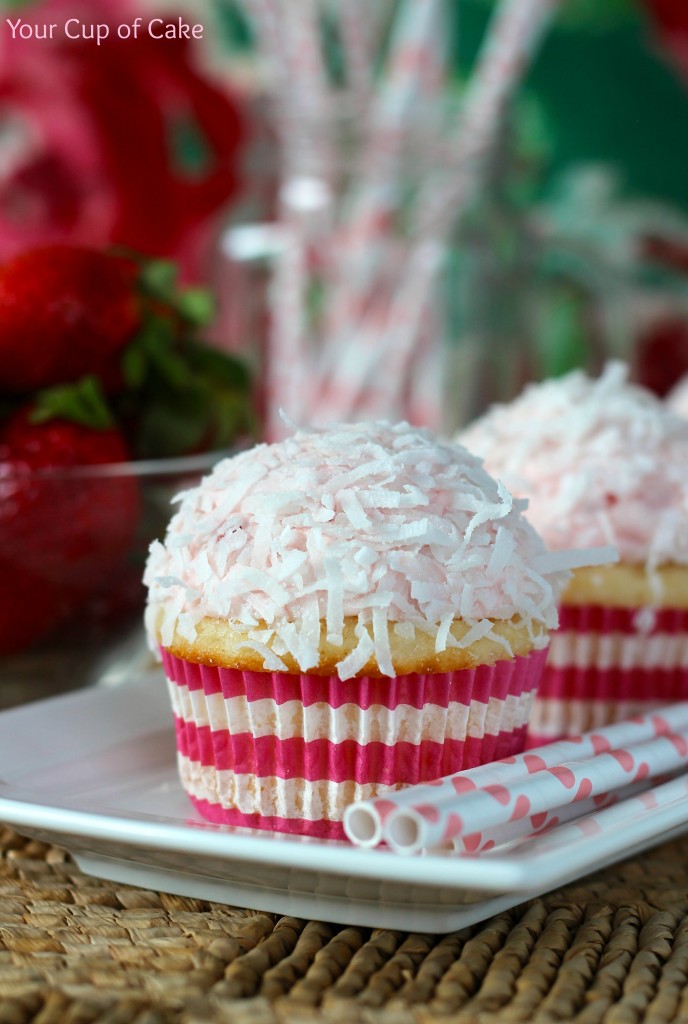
{"points": [[423, 404], [364, 821], [403, 330], [413, 47], [355, 31], [538, 824], [266, 17], [287, 339], [375, 386], [514, 32], [639, 808], [367, 210], [309, 110], [420, 826], [512, 35]]}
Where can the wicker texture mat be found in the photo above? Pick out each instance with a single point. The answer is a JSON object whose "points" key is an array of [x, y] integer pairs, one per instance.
{"points": [[74, 950]]}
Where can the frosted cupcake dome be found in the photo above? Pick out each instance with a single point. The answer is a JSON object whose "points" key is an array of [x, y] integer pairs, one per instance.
{"points": [[677, 399], [334, 549], [601, 462]]}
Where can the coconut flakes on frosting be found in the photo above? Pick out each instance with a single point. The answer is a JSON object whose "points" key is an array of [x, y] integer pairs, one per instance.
{"points": [[601, 461], [375, 522]]}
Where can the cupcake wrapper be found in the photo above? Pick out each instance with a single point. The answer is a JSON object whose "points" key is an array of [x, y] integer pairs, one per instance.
{"points": [[607, 664], [290, 752]]}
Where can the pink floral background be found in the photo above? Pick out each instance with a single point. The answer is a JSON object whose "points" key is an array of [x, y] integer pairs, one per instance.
{"points": [[88, 153]]}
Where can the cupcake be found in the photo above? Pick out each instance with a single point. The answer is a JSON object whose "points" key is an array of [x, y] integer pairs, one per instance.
{"points": [[677, 399], [602, 461], [341, 614]]}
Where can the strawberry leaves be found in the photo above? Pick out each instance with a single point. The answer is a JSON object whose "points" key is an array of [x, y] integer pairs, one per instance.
{"points": [[180, 395], [83, 402], [158, 279], [183, 397]]}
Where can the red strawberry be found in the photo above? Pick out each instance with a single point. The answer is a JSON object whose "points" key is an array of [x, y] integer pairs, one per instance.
{"points": [[65, 312], [661, 356], [65, 526], [29, 608]]}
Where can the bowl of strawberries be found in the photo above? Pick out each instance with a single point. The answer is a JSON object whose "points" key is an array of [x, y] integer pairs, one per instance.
{"points": [[111, 403]]}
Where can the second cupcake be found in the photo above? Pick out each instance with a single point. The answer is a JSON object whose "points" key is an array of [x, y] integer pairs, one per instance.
{"points": [[602, 461], [341, 614]]}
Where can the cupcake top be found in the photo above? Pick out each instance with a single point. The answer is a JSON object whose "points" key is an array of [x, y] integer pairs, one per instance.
{"points": [[601, 461], [375, 523], [677, 399]]}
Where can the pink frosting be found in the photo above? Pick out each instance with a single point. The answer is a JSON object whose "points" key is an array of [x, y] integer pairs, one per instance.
{"points": [[600, 461], [372, 521], [677, 399]]}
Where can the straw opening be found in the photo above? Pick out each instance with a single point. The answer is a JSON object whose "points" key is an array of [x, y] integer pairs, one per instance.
{"points": [[404, 831], [362, 826]]}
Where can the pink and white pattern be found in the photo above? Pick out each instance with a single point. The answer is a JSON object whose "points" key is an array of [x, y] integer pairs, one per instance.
{"points": [[289, 752], [526, 793], [607, 664]]}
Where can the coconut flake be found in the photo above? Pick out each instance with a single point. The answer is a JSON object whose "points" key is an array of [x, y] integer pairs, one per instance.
{"points": [[361, 654], [564, 561], [366, 556], [334, 588], [478, 631], [500, 554], [383, 653], [443, 633], [270, 660], [353, 511]]}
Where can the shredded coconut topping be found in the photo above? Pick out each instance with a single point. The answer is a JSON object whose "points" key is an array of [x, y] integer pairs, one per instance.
{"points": [[677, 399], [601, 462], [374, 522]]}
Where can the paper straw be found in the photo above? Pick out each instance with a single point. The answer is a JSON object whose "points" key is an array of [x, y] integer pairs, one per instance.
{"points": [[402, 333], [363, 820], [355, 34], [357, 256], [513, 33], [286, 341], [537, 824], [372, 376], [375, 368], [265, 16], [510, 38], [423, 405], [309, 146], [411, 829], [443, 196], [367, 211], [412, 47], [635, 807], [290, 39], [345, 371]]}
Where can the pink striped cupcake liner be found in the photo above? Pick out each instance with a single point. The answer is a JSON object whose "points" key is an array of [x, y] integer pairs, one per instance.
{"points": [[288, 752], [607, 664]]}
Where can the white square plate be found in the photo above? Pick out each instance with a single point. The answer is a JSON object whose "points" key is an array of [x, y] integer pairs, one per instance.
{"points": [[95, 772]]}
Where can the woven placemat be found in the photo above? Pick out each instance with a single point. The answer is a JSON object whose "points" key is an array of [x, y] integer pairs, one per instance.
{"points": [[74, 950]]}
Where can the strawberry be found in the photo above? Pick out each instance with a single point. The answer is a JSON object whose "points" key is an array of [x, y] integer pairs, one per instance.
{"points": [[65, 527], [29, 608], [65, 312], [661, 356]]}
